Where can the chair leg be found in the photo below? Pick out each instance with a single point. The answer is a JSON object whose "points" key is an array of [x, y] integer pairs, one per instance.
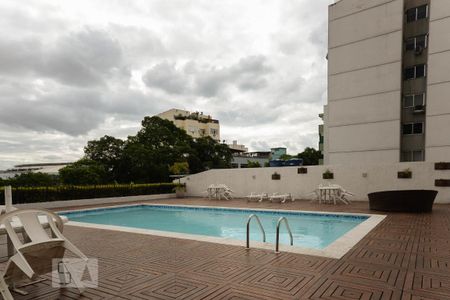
{"points": [[4, 290]]}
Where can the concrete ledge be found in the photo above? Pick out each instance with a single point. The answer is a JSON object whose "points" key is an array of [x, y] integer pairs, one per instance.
{"points": [[94, 201]]}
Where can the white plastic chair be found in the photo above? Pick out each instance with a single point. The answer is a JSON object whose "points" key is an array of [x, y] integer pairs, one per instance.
{"points": [[254, 197], [35, 254]]}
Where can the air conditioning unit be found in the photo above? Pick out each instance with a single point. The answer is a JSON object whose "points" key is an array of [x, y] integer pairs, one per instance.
{"points": [[419, 109], [419, 50]]}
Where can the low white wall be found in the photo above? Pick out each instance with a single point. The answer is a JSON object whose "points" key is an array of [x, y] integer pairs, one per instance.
{"points": [[94, 201], [359, 179]]}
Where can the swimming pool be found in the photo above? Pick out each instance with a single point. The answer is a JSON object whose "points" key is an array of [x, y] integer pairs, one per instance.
{"points": [[311, 230]]}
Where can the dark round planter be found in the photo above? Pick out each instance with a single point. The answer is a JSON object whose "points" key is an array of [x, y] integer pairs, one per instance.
{"points": [[403, 201]]}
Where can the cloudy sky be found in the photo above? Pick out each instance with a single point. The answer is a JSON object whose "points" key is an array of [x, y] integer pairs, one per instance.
{"points": [[73, 71]]}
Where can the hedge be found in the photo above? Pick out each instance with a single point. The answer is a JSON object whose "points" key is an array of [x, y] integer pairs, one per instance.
{"points": [[58, 193]]}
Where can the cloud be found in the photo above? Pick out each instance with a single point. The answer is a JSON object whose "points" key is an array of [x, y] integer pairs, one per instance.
{"points": [[83, 58], [76, 70], [208, 80], [166, 77]]}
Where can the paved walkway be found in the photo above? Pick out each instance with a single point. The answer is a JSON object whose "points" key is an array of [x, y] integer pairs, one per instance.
{"points": [[407, 256]]}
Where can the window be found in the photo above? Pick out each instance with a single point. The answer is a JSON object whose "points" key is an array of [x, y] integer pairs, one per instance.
{"points": [[416, 155], [415, 72], [413, 100], [412, 128], [213, 131], [417, 13], [417, 128], [420, 71], [409, 73], [416, 43], [192, 129]]}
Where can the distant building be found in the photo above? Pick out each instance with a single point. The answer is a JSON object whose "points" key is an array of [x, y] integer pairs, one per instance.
{"points": [[240, 160], [47, 168], [237, 147], [388, 81], [196, 124], [276, 153]]}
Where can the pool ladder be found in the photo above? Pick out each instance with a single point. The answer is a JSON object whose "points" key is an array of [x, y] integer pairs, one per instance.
{"points": [[277, 244], [248, 229]]}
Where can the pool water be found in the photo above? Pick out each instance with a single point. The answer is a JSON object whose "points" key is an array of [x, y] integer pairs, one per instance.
{"points": [[309, 230]]}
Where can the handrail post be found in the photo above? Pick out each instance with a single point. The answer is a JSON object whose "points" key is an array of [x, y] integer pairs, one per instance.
{"points": [[277, 241], [248, 229]]}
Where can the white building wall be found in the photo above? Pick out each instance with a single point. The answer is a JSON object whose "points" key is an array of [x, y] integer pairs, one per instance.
{"points": [[364, 81], [360, 179], [438, 98]]}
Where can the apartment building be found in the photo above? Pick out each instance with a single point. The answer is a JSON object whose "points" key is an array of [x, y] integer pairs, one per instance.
{"points": [[196, 124], [388, 81]]}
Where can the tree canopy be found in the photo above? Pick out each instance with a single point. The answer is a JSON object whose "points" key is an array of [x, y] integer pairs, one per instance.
{"points": [[148, 156], [310, 156]]}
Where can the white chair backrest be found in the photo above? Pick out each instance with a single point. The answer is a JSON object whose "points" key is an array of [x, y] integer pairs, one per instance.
{"points": [[29, 219]]}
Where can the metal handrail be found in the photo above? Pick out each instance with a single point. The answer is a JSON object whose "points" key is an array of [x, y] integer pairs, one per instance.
{"points": [[277, 244], [248, 229]]}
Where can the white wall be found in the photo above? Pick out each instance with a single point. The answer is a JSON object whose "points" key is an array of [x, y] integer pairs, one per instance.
{"points": [[379, 177], [364, 81], [94, 201], [347, 7], [379, 79], [366, 54], [349, 158], [438, 91], [351, 111], [357, 24], [365, 137]]}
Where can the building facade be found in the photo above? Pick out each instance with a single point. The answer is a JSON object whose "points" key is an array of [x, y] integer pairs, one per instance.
{"points": [[237, 147], [195, 124], [277, 153], [388, 81]]}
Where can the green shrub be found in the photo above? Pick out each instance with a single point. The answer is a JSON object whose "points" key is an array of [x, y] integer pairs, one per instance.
{"points": [[73, 192]]}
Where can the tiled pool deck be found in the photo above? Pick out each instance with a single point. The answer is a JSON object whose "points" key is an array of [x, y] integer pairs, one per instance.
{"points": [[407, 256]]}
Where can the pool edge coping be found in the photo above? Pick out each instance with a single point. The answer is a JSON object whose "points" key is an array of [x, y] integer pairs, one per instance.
{"points": [[335, 250]]}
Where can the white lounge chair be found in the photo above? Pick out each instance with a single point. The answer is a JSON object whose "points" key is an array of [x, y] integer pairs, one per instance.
{"points": [[35, 254], [253, 197], [280, 198]]}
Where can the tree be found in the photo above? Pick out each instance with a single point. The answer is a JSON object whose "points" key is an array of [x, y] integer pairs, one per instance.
{"points": [[253, 164], [83, 172], [107, 151], [149, 155], [209, 154], [179, 168], [310, 156]]}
